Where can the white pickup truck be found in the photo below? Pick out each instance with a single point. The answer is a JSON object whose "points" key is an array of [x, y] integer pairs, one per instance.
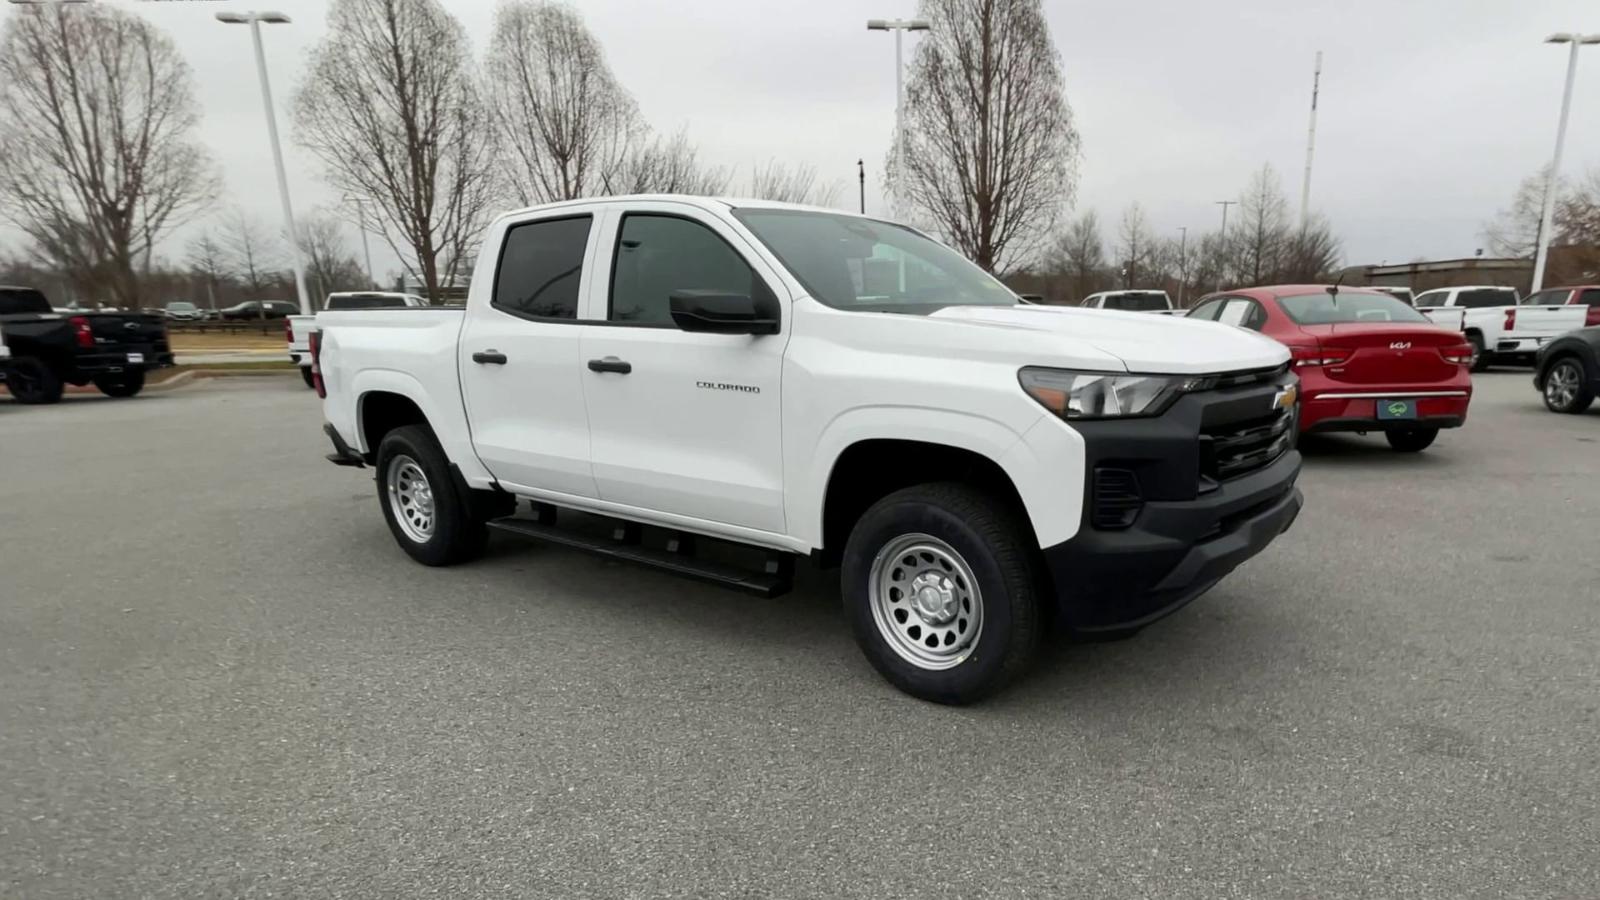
{"points": [[654, 371], [297, 329], [1134, 301], [1498, 326]]}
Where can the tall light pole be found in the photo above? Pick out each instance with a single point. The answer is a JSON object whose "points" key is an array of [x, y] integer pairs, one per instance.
{"points": [[1554, 175], [254, 20], [1223, 236], [361, 219], [1311, 145], [1183, 262], [899, 27]]}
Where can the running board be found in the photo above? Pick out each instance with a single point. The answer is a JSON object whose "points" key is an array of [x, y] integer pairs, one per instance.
{"points": [[624, 545]]}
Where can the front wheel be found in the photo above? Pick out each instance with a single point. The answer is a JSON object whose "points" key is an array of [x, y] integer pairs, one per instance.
{"points": [[123, 384], [1411, 440], [941, 591], [1565, 388], [429, 518], [30, 380]]}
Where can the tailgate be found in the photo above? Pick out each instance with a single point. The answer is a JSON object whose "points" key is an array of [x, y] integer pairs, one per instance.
{"points": [[1544, 321], [117, 329], [297, 330]]}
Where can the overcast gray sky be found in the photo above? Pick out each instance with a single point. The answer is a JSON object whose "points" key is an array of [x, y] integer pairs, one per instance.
{"points": [[1431, 111]]}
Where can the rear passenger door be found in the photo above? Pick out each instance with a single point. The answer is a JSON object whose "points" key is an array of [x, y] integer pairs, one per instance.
{"points": [[521, 372], [692, 426]]}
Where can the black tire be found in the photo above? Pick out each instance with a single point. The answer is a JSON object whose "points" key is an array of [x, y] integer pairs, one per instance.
{"points": [[1480, 356], [31, 381], [456, 533], [307, 377], [990, 541], [1411, 440], [123, 384], [1582, 393]]}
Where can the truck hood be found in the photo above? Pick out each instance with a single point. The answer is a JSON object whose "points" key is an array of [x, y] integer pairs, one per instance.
{"points": [[1144, 343]]}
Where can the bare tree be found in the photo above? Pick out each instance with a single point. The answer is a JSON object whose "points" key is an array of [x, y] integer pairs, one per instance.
{"points": [[1263, 230], [97, 118], [390, 106], [330, 266], [1080, 255], [1136, 246], [563, 119], [791, 184], [1514, 232], [990, 152], [664, 166], [208, 261], [1576, 230], [253, 253], [1310, 254]]}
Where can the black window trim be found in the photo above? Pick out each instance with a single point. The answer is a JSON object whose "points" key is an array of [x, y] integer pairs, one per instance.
{"points": [[616, 246], [499, 265]]}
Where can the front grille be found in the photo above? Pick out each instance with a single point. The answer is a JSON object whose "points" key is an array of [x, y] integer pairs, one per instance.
{"points": [[1239, 448], [1117, 499]]}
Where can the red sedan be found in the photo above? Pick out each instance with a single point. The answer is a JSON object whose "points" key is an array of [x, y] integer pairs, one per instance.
{"points": [[1366, 361]]}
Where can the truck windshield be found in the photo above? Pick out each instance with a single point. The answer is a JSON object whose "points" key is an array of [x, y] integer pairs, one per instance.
{"points": [[22, 300], [860, 264], [1140, 302], [1323, 309]]}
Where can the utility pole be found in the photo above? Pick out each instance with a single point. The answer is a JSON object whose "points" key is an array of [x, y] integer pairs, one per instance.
{"points": [[1311, 145], [1183, 262], [861, 181], [1223, 237], [1554, 175]]}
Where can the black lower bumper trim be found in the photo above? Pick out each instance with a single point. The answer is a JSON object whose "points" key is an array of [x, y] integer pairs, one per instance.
{"points": [[1174, 553], [342, 454], [1329, 426]]}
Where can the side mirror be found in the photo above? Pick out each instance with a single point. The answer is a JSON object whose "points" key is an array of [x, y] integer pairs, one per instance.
{"points": [[720, 312]]}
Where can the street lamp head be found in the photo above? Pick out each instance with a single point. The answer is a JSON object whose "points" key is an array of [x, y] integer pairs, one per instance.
{"points": [[271, 18], [1590, 38], [233, 18], [917, 25], [877, 24]]}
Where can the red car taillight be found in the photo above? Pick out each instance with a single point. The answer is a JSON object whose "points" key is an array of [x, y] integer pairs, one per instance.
{"points": [[1305, 355], [288, 331], [1592, 317], [314, 344], [81, 330], [1461, 355], [1511, 319]]}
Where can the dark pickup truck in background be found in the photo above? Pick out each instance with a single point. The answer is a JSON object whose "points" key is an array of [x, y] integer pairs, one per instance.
{"points": [[112, 350]]}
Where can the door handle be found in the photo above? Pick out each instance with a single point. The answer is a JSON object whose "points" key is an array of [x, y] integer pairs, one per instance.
{"points": [[610, 364], [489, 358]]}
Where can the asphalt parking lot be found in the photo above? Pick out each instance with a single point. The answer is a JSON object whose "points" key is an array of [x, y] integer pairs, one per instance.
{"points": [[219, 677]]}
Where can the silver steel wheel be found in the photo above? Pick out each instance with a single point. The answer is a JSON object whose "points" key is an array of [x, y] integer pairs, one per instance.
{"points": [[410, 498], [925, 601], [1561, 385]]}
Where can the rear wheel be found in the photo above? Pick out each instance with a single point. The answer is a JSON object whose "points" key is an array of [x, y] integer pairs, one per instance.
{"points": [[1411, 440], [31, 381], [429, 518], [305, 374], [123, 384], [1565, 388], [941, 592], [1480, 356]]}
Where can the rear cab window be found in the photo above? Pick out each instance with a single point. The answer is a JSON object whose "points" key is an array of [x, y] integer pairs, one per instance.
{"points": [[16, 301], [1136, 302], [541, 268], [1589, 297], [1482, 297]]}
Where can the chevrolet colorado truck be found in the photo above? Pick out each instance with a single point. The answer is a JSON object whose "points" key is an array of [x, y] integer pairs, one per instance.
{"points": [[633, 376], [297, 329], [112, 350]]}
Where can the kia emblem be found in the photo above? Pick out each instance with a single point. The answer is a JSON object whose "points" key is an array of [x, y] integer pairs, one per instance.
{"points": [[1400, 345]]}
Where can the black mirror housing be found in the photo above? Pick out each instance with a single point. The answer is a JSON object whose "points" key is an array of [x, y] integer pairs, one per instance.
{"points": [[722, 312]]}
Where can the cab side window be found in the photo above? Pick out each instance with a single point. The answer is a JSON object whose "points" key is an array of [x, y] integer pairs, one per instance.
{"points": [[1243, 313], [1590, 297], [1431, 298], [659, 254], [541, 265], [1207, 310]]}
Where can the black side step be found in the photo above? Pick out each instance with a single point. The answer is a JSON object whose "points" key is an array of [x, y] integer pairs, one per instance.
{"points": [[778, 579]]}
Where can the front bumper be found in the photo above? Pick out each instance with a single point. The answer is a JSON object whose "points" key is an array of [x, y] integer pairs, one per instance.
{"points": [[1174, 552], [87, 365]]}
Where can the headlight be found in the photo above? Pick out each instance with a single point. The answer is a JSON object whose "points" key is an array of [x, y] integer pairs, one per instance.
{"points": [[1105, 395]]}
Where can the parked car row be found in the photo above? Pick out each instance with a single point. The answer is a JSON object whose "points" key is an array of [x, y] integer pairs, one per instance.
{"points": [[48, 350]]}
